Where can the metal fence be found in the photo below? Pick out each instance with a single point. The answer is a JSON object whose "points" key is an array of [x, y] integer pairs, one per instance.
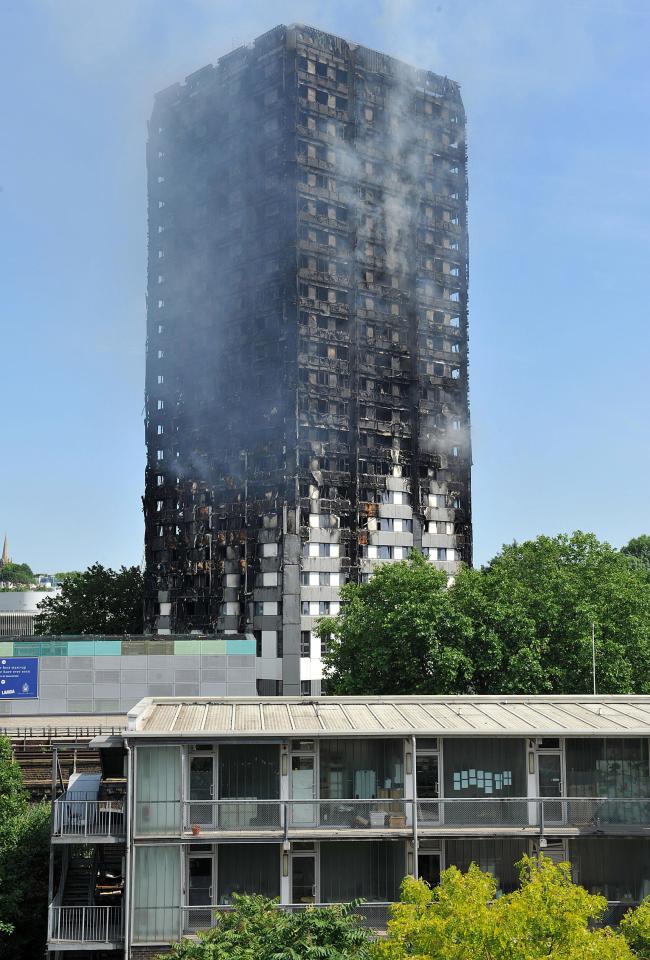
{"points": [[88, 818], [373, 915], [260, 815], [173, 817], [577, 812], [85, 924]]}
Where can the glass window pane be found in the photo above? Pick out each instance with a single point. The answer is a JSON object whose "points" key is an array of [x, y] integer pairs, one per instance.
{"points": [[158, 790], [607, 767], [497, 857], [617, 868], [248, 868], [361, 769], [156, 894], [368, 870], [249, 771]]}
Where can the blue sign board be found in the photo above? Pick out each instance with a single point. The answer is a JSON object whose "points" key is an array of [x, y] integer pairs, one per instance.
{"points": [[18, 678]]}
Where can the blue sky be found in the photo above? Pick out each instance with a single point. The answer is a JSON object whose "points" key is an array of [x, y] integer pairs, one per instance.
{"points": [[557, 96]]}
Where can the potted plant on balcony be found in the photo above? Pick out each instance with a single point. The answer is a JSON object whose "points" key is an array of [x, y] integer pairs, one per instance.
{"points": [[196, 829]]}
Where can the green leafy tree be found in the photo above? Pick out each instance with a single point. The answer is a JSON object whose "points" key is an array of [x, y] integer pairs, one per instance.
{"points": [[462, 919], [522, 624], [24, 863], [256, 930], [635, 927], [532, 610], [66, 574], [98, 600], [19, 574], [638, 552], [398, 633]]}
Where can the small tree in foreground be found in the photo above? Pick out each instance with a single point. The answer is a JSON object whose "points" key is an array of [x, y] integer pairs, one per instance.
{"points": [[24, 861], [635, 927], [256, 930], [464, 919]]}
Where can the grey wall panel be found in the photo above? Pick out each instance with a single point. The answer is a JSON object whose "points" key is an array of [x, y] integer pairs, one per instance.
{"points": [[239, 690], [107, 676], [80, 676], [55, 663], [186, 690], [240, 661], [53, 676], [187, 676], [79, 706], [156, 675], [77, 691], [104, 690], [81, 663], [213, 689], [107, 706], [213, 675], [138, 675]]}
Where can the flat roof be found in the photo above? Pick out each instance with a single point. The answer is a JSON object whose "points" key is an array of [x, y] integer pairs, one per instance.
{"points": [[254, 717]]}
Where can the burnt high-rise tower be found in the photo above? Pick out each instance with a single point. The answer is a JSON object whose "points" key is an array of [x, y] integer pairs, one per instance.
{"points": [[306, 394]]}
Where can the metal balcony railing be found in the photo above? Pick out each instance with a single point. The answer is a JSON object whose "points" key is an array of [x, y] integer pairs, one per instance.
{"points": [[577, 812], [374, 915], [174, 818], [85, 924], [88, 818], [261, 815]]}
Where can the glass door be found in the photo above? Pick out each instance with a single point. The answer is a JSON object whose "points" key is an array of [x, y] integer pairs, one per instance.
{"points": [[427, 784], [303, 789], [199, 891], [549, 778], [429, 867], [201, 788], [303, 878]]}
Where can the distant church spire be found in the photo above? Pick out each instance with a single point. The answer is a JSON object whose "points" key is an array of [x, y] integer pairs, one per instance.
{"points": [[5, 553]]}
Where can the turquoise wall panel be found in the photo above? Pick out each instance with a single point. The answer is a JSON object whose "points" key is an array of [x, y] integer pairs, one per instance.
{"points": [[81, 648], [108, 648], [240, 646]]}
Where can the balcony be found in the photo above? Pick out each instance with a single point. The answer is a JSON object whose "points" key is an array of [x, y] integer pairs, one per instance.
{"points": [[79, 820], [374, 915], [90, 928], [567, 815], [295, 816], [165, 924], [570, 816]]}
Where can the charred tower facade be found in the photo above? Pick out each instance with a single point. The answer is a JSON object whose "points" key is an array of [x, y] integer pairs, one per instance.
{"points": [[307, 406]]}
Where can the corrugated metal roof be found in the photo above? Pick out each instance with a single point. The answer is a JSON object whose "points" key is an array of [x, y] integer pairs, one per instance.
{"points": [[394, 716]]}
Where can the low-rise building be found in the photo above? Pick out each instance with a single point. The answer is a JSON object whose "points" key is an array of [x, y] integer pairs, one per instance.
{"points": [[318, 801], [19, 609]]}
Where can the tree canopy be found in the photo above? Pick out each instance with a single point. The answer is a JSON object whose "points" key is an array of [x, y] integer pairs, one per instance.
{"points": [[463, 918], [635, 927], [256, 930], [97, 601], [548, 916], [521, 624], [24, 860], [20, 574], [398, 634], [638, 551]]}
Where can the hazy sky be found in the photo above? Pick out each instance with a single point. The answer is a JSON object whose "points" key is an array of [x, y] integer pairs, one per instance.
{"points": [[557, 94]]}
